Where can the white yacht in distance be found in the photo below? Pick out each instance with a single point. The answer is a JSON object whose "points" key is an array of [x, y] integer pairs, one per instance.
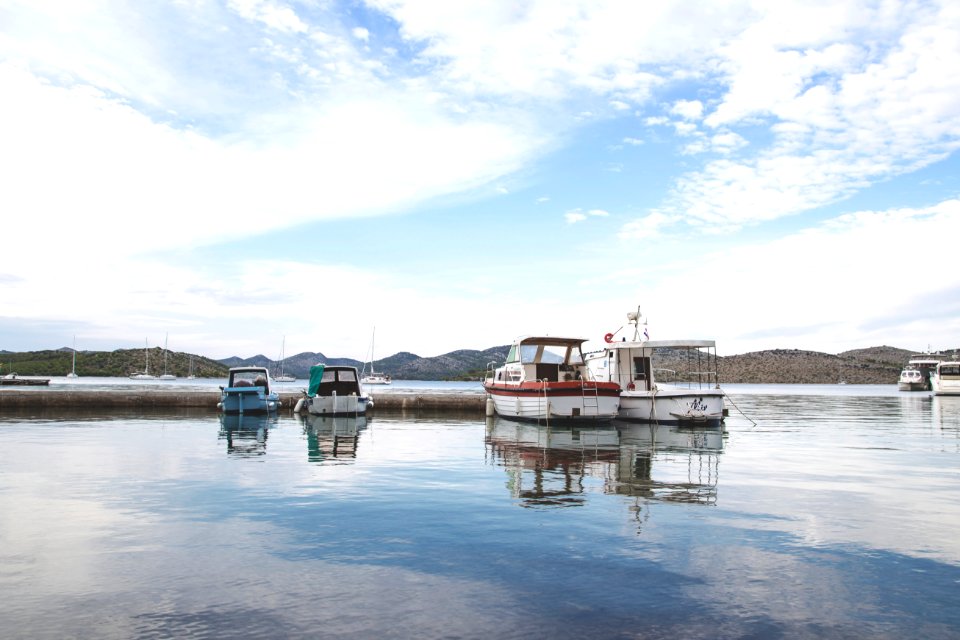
{"points": [[73, 369], [946, 378], [145, 374], [689, 392], [281, 376], [165, 375], [373, 377]]}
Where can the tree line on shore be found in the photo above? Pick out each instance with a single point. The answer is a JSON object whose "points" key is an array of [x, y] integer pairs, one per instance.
{"points": [[874, 365]]}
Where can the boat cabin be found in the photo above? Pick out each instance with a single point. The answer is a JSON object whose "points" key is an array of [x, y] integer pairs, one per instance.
{"points": [[249, 377], [544, 359], [640, 366], [340, 380]]}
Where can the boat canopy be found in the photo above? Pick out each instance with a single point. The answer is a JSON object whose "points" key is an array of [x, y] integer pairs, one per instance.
{"points": [[546, 350], [316, 377], [664, 344]]}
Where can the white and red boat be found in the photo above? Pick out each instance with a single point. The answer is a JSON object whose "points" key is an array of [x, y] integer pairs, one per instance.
{"points": [[544, 378]]}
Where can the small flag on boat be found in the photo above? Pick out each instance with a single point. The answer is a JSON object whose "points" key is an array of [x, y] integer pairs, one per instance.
{"points": [[646, 336]]}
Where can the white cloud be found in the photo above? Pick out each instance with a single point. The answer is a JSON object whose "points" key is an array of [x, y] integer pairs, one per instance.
{"points": [[119, 168], [687, 109], [649, 226], [361, 34], [578, 215], [277, 16], [633, 141]]}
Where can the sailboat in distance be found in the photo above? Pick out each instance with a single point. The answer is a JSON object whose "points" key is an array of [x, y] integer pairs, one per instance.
{"points": [[373, 377], [145, 374], [281, 377], [166, 376], [73, 370]]}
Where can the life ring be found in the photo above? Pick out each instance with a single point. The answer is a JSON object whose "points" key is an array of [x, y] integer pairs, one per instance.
{"points": [[608, 337]]}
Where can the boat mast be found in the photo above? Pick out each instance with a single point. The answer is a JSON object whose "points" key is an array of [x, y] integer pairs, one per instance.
{"points": [[373, 339]]}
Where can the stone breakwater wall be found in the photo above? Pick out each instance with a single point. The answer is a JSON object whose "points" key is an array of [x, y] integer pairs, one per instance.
{"points": [[156, 400]]}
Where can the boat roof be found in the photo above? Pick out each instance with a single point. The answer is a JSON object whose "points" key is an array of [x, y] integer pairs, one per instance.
{"points": [[657, 344], [249, 368], [550, 340]]}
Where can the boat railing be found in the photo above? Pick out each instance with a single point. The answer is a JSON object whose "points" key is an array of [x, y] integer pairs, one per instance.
{"points": [[690, 379]]}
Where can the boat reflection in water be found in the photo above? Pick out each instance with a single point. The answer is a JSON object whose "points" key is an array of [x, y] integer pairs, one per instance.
{"points": [[332, 439], [946, 414], [551, 466], [687, 467], [246, 434]]}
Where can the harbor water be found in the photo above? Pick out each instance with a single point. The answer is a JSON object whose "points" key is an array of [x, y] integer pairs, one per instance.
{"points": [[820, 511]]}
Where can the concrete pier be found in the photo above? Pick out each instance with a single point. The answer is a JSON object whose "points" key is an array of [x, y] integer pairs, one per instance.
{"points": [[57, 401]]}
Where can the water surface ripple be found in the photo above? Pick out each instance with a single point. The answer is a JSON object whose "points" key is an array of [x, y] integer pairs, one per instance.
{"points": [[829, 513]]}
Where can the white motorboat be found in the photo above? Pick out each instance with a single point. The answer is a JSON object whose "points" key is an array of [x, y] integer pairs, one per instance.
{"points": [[683, 389], [334, 391], [545, 378], [248, 390], [916, 375], [946, 378]]}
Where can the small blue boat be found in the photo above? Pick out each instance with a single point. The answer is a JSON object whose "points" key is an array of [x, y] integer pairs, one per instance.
{"points": [[248, 390]]}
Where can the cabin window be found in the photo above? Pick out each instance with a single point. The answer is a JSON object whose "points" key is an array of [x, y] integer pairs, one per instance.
{"points": [[528, 353], [512, 355], [347, 375], [248, 379], [329, 376]]}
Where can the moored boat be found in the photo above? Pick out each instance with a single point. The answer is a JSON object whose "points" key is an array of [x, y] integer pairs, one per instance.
{"points": [[373, 377], [281, 376], [13, 379], [248, 390], [545, 378], [916, 375], [946, 379], [145, 374], [334, 391], [689, 392]]}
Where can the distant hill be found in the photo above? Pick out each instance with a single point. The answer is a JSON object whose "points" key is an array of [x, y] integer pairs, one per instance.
{"points": [[462, 364], [119, 363], [875, 365]]}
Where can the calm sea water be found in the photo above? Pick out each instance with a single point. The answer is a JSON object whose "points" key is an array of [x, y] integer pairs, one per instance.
{"points": [[821, 512]]}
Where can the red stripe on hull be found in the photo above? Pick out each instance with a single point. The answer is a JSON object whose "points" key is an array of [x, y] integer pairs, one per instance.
{"points": [[554, 389]]}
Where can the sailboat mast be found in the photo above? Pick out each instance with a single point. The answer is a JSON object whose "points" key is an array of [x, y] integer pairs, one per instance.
{"points": [[373, 340]]}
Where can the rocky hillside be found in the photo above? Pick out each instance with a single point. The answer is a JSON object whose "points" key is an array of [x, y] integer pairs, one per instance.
{"points": [[462, 364], [876, 365], [119, 363]]}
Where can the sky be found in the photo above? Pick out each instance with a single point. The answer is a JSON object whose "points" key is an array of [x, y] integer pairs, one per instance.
{"points": [[247, 177]]}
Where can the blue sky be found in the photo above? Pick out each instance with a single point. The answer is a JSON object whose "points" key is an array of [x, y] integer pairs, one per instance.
{"points": [[233, 174]]}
